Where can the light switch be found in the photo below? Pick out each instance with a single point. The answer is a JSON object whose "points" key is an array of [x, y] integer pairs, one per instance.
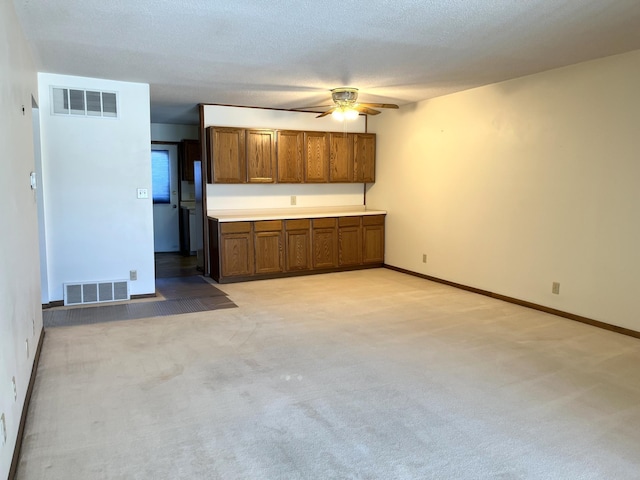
{"points": [[143, 193]]}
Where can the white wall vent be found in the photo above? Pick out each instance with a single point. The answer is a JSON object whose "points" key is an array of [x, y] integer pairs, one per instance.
{"points": [[86, 103], [96, 292]]}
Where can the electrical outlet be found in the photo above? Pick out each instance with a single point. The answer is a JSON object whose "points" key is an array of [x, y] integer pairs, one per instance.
{"points": [[294, 200], [555, 288], [142, 193], [15, 389], [3, 430], [424, 258], [133, 275]]}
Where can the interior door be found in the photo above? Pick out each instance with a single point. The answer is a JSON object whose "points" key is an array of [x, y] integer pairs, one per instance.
{"points": [[164, 170]]}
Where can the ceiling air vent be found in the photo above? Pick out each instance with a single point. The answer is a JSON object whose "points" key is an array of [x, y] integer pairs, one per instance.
{"points": [[86, 103]]}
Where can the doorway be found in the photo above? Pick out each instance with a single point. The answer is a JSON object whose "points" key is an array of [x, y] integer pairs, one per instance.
{"points": [[165, 193]]}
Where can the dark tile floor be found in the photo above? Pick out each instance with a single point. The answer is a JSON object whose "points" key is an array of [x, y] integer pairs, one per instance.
{"points": [[175, 265], [178, 283]]}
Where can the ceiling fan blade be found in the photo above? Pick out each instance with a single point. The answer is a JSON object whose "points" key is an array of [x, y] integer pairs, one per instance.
{"points": [[380, 105], [366, 110], [309, 108], [328, 112]]}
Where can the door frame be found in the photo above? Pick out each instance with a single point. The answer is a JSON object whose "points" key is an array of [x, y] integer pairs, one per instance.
{"points": [[157, 145]]}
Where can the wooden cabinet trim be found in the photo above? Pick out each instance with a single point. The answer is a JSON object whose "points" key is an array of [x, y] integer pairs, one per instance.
{"points": [[298, 224], [349, 221], [235, 227], [373, 220], [267, 225], [328, 222]]}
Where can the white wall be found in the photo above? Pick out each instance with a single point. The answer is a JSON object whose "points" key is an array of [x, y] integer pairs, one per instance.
{"points": [[279, 195], [170, 132], [513, 186], [96, 227], [20, 309]]}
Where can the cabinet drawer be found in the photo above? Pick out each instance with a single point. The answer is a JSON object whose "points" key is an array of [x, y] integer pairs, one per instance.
{"points": [[268, 226], [373, 220], [235, 227], [324, 222], [349, 221], [299, 224]]}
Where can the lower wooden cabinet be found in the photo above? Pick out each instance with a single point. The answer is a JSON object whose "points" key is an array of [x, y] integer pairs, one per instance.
{"points": [[236, 248], [298, 245], [373, 239], [350, 240], [268, 246], [246, 250], [325, 242]]}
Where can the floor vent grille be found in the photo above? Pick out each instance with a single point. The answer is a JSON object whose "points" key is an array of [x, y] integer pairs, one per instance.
{"points": [[96, 292]]}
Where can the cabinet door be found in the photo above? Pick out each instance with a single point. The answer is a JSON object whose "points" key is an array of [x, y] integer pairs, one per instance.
{"points": [[373, 239], [261, 156], [268, 247], [236, 254], [364, 157], [298, 245], [226, 155], [190, 152], [325, 243], [316, 157], [289, 154], [341, 157], [349, 241]]}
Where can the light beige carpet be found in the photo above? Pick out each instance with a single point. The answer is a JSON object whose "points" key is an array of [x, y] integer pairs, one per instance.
{"points": [[362, 375]]}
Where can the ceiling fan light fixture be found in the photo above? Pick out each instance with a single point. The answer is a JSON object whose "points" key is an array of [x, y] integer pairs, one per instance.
{"points": [[351, 114], [344, 113]]}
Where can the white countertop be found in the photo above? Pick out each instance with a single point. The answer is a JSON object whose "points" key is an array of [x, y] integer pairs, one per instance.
{"points": [[290, 213]]}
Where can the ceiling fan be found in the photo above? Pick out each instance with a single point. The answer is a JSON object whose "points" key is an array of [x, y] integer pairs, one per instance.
{"points": [[346, 107]]}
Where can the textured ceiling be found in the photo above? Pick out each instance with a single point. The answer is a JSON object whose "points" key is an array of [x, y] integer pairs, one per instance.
{"points": [[285, 54]]}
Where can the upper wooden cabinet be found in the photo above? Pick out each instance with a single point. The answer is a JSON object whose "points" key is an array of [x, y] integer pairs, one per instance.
{"points": [[364, 157], [289, 154], [316, 157], [341, 157], [238, 155], [189, 153], [261, 156], [227, 161]]}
